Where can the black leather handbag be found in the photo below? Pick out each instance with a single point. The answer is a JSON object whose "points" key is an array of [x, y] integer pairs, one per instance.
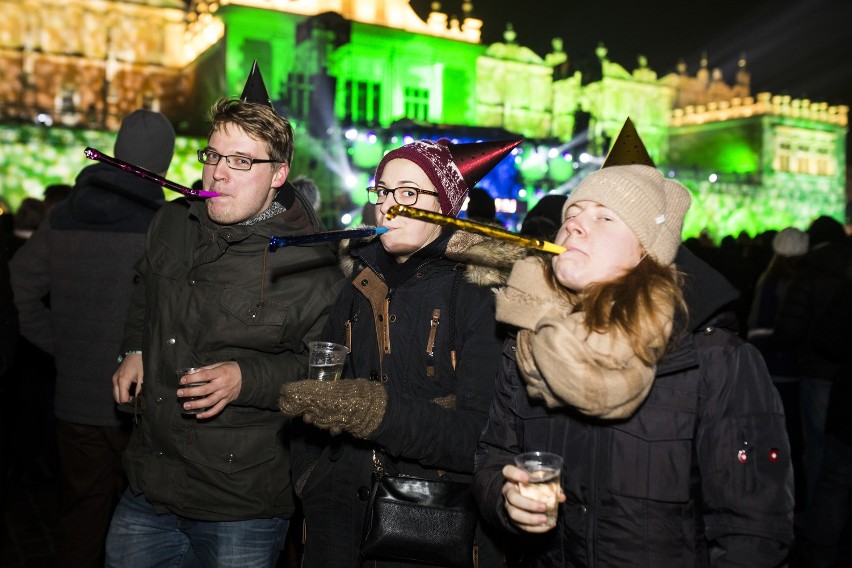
{"points": [[420, 520]]}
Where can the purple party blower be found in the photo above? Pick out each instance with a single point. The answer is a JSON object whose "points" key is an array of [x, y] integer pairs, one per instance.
{"points": [[94, 154]]}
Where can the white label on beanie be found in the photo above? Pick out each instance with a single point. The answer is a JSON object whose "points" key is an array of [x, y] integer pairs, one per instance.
{"points": [[660, 219]]}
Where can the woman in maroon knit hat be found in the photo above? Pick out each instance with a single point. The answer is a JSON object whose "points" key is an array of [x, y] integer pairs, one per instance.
{"points": [[418, 319]]}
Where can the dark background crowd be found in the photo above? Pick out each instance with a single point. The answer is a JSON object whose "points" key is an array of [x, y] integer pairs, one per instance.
{"points": [[795, 305]]}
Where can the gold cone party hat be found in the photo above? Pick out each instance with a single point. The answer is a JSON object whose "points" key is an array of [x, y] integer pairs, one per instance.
{"points": [[628, 149]]}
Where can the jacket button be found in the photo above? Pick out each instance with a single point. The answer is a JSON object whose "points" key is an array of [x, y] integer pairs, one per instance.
{"points": [[190, 283], [384, 377], [392, 318], [363, 493], [158, 400], [170, 341], [374, 375], [364, 282], [381, 317], [252, 314], [230, 458]]}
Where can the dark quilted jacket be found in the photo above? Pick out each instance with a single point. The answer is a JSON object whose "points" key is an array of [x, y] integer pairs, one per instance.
{"points": [[667, 486]]}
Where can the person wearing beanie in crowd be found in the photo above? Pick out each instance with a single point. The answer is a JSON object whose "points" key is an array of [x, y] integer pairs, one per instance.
{"points": [[545, 218], [83, 257], [672, 436], [788, 246], [209, 477], [309, 189], [481, 207], [418, 319], [805, 310]]}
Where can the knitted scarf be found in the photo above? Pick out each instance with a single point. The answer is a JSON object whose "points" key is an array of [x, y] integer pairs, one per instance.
{"points": [[562, 362]]}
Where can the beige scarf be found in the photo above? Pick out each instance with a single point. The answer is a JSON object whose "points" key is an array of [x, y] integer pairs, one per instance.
{"points": [[562, 362]]}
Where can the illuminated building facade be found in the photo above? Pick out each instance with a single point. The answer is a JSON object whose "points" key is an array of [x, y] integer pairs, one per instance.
{"points": [[359, 77]]}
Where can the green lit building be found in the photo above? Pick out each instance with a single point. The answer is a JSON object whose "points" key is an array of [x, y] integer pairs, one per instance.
{"points": [[358, 78]]}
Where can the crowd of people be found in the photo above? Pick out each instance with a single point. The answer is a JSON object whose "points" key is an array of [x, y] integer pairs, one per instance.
{"points": [[696, 393]]}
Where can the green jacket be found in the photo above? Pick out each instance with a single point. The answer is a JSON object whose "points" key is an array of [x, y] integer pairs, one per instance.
{"points": [[209, 293]]}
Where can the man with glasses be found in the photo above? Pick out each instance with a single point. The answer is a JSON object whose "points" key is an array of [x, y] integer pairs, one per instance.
{"points": [[209, 478]]}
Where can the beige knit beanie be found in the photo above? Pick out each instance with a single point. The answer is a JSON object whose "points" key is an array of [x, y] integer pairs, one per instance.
{"points": [[652, 206]]}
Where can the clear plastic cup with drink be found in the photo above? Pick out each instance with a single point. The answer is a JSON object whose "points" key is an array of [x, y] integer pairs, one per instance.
{"points": [[182, 399], [325, 361], [545, 473]]}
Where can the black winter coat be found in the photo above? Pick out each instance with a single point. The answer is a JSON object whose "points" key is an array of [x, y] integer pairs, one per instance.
{"points": [[808, 307], [700, 475], [83, 259], [434, 414], [210, 293]]}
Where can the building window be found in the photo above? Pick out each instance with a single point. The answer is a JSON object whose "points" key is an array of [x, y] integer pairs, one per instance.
{"points": [[363, 101], [416, 103], [299, 94]]}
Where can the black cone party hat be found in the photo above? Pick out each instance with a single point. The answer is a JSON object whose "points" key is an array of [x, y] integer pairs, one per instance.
{"points": [[255, 89]]}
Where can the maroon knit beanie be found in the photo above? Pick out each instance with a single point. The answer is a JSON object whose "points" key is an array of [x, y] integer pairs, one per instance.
{"points": [[436, 161]]}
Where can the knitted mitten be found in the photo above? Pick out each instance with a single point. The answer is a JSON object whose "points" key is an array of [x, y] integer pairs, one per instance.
{"points": [[355, 406]]}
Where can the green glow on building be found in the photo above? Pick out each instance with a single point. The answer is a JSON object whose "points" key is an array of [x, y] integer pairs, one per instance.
{"points": [[34, 157], [353, 90]]}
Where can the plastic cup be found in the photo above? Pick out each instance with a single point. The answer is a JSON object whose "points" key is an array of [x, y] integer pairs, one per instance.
{"points": [[188, 371], [545, 471], [325, 362]]}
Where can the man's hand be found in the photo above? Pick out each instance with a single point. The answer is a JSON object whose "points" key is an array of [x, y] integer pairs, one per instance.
{"points": [[525, 513], [223, 384], [128, 373]]}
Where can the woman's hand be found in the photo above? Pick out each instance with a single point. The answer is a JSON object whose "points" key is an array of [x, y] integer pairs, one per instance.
{"points": [[525, 513]]}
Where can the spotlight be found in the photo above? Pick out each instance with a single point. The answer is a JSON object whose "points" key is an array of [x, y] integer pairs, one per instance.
{"points": [[44, 119]]}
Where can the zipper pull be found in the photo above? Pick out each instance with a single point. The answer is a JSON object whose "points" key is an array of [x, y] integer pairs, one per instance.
{"points": [[430, 346]]}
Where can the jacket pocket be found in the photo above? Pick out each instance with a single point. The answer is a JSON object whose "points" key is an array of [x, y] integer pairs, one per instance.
{"points": [[653, 450], [262, 326], [229, 450], [166, 263], [246, 307]]}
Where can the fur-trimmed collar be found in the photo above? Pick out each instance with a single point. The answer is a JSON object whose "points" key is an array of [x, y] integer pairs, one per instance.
{"points": [[488, 261]]}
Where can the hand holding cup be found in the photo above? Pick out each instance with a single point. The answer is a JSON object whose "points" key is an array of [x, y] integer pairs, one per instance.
{"points": [[533, 491], [189, 391]]}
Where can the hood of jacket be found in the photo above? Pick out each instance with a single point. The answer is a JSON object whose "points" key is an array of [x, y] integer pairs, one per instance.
{"points": [[708, 294], [487, 261], [105, 198]]}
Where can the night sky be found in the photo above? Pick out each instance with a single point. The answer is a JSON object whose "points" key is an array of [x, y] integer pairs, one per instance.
{"points": [[799, 48]]}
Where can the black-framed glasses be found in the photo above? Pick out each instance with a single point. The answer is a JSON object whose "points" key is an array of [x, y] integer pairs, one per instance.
{"points": [[234, 162], [402, 195]]}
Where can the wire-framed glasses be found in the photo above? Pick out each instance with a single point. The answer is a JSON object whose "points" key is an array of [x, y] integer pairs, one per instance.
{"points": [[402, 195], [235, 162]]}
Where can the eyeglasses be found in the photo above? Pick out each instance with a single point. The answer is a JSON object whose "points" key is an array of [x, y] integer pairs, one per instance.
{"points": [[402, 195], [234, 162]]}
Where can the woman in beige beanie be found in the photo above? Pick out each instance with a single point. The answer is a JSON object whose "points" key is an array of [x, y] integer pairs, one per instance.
{"points": [[605, 307], [673, 440]]}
